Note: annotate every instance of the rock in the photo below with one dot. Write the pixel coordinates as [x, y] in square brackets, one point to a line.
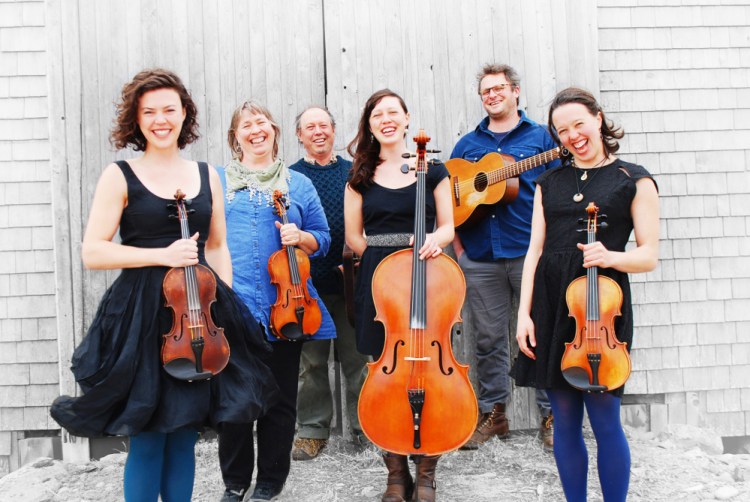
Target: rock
[726, 493]
[42, 462]
[687, 437]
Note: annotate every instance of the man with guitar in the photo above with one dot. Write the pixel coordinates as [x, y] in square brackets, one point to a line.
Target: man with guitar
[492, 243]
[328, 172]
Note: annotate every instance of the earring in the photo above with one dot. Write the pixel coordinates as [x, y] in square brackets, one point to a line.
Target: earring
[565, 152]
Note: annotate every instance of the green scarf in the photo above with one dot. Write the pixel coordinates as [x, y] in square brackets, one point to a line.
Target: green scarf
[260, 182]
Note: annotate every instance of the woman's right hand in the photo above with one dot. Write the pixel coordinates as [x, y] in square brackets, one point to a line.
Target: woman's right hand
[525, 335]
[181, 253]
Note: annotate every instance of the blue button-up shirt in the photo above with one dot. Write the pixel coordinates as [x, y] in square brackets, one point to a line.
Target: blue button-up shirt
[505, 232]
[252, 238]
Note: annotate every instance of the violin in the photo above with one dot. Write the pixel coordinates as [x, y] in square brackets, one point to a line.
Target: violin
[295, 315]
[417, 399]
[195, 348]
[595, 361]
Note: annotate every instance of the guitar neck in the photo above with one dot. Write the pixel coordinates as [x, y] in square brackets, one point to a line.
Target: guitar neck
[516, 168]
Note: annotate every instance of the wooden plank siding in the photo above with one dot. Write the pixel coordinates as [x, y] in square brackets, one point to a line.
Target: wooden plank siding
[287, 54]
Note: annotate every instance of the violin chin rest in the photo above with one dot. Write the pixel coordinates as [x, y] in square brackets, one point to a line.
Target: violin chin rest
[292, 331]
[579, 378]
[184, 369]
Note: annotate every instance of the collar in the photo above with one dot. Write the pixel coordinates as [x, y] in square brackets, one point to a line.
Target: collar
[484, 125]
[314, 162]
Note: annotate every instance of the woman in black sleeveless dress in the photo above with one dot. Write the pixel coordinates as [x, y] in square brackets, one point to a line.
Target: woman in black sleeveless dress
[379, 203]
[118, 364]
[557, 255]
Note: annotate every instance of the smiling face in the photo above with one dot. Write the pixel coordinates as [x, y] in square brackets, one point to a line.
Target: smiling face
[255, 135]
[316, 133]
[499, 97]
[580, 132]
[160, 117]
[388, 121]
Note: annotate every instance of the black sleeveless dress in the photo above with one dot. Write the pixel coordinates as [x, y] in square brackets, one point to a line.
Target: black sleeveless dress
[612, 189]
[386, 211]
[118, 363]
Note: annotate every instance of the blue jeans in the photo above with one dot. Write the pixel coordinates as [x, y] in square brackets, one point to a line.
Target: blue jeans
[490, 289]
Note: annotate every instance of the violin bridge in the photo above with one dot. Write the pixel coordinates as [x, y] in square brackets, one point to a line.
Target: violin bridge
[408, 358]
[193, 326]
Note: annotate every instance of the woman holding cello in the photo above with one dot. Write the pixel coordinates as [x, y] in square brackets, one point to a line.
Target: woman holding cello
[552, 325]
[380, 202]
[127, 389]
[257, 184]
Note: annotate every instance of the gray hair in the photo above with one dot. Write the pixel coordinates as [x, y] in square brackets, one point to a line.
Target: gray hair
[298, 119]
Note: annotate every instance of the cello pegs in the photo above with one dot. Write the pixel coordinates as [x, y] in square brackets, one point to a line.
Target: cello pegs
[405, 168]
[408, 155]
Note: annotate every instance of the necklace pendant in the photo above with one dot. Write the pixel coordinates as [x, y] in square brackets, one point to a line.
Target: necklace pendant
[578, 197]
[584, 176]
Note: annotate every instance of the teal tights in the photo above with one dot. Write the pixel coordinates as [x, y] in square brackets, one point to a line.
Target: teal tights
[160, 463]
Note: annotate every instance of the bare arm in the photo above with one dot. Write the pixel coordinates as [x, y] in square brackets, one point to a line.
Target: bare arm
[353, 222]
[645, 213]
[444, 231]
[217, 250]
[525, 328]
[99, 252]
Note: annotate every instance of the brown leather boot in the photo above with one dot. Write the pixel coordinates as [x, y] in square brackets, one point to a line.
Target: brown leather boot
[494, 423]
[400, 483]
[426, 486]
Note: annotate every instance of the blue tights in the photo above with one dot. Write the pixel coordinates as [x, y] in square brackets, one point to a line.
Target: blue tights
[161, 463]
[613, 453]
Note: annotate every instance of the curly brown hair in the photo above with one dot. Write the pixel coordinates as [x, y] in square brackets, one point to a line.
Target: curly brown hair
[364, 148]
[610, 133]
[126, 130]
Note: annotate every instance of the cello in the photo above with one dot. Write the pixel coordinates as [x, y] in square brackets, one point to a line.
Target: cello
[295, 315]
[195, 348]
[595, 361]
[417, 399]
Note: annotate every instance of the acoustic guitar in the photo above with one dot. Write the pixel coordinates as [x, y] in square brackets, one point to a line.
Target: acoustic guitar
[493, 179]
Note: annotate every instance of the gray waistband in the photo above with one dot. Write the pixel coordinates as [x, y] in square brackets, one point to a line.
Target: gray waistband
[388, 240]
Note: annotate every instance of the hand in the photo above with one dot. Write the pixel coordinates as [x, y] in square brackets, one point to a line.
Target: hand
[525, 335]
[596, 255]
[290, 234]
[181, 253]
[429, 249]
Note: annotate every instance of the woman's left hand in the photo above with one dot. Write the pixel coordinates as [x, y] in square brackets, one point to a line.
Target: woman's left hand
[290, 234]
[596, 255]
[430, 248]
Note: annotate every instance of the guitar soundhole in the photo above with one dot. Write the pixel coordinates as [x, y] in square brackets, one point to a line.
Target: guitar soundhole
[480, 182]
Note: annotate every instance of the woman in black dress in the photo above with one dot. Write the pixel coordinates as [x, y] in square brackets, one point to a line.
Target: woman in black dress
[379, 219]
[557, 255]
[125, 389]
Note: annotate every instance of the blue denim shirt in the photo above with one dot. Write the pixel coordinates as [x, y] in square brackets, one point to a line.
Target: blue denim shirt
[252, 237]
[505, 232]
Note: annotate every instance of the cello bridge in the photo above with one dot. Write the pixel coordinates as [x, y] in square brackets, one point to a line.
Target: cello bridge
[417, 358]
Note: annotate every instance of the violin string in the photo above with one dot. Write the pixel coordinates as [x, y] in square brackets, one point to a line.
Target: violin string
[189, 279]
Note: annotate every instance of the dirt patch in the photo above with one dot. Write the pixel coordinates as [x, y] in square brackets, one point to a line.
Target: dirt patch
[664, 468]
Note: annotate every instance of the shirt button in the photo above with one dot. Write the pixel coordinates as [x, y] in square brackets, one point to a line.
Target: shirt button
[499, 149]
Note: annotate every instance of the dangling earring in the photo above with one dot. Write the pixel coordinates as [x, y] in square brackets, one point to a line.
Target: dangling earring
[372, 137]
[565, 152]
[236, 149]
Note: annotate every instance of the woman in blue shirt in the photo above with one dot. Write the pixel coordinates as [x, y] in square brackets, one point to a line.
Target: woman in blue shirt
[254, 233]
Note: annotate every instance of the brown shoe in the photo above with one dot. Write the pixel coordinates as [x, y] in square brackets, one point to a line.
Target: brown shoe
[546, 432]
[494, 423]
[400, 483]
[307, 448]
[426, 486]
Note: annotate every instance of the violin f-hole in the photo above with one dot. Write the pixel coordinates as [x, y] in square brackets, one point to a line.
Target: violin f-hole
[395, 358]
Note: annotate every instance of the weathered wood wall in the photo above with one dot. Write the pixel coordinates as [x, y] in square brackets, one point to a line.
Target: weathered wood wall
[286, 54]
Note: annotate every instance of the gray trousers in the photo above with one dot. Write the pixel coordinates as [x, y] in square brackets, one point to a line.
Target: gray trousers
[314, 399]
[490, 290]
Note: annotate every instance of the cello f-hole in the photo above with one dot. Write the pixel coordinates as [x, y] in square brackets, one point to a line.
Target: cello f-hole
[395, 358]
[440, 358]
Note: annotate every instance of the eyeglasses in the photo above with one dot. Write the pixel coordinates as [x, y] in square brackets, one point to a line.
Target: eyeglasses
[497, 90]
